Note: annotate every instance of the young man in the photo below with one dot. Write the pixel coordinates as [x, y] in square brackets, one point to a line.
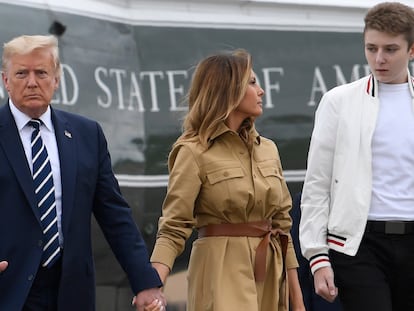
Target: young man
[357, 226]
[55, 172]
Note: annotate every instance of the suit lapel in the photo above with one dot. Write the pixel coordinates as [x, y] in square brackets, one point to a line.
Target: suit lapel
[66, 142]
[11, 143]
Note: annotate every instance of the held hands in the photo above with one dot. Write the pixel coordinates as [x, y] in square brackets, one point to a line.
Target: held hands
[3, 266]
[324, 284]
[150, 300]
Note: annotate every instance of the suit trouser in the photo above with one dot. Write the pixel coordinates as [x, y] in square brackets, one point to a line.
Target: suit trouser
[380, 276]
[44, 292]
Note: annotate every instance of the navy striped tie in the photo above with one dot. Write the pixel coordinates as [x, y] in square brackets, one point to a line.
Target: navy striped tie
[45, 196]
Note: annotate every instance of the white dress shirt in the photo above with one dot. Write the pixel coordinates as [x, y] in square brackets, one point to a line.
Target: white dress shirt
[47, 133]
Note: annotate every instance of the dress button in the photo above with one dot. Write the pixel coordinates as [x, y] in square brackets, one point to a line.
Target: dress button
[30, 277]
[226, 174]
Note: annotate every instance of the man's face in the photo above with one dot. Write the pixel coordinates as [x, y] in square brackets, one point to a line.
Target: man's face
[31, 81]
[388, 56]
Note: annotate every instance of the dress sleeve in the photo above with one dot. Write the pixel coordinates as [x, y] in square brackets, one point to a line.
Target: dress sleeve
[177, 221]
[283, 221]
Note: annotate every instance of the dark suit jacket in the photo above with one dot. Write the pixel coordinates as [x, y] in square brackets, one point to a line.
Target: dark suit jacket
[88, 187]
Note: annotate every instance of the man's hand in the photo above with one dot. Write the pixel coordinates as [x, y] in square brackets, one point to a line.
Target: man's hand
[150, 300]
[324, 284]
[3, 265]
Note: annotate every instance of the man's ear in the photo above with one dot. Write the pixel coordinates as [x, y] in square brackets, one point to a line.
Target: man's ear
[57, 80]
[411, 51]
[5, 80]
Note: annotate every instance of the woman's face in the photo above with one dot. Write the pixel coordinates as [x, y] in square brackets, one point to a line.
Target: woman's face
[251, 104]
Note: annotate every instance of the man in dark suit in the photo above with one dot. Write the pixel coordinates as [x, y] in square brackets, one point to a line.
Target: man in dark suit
[46, 258]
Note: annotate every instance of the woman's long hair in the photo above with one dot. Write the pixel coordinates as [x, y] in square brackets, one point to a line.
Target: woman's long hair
[218, 85]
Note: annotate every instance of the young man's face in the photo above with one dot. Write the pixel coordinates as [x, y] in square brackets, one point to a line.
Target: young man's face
[388, 56]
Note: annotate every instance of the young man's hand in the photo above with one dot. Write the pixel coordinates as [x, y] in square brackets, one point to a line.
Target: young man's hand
[324, 284]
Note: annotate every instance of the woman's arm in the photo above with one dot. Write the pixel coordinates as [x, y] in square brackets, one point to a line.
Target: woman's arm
[163, 270]
[295, 292]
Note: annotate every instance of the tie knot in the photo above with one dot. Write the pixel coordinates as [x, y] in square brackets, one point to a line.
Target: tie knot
[35, 123]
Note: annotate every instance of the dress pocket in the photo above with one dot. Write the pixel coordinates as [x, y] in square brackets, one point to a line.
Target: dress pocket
[273, 179]
[224, 174]
[269, 171]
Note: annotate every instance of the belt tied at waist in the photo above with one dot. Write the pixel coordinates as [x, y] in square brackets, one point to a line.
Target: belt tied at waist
[261, 228]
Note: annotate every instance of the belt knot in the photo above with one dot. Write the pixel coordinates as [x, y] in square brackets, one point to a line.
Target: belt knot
[261, 228]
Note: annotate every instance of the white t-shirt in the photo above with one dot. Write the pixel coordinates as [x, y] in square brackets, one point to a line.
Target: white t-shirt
[393, 155]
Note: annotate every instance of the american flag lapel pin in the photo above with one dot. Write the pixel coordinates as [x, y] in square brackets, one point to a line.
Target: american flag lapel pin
[68, 134]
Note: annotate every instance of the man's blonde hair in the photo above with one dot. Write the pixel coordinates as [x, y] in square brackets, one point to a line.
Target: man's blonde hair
[26, 44]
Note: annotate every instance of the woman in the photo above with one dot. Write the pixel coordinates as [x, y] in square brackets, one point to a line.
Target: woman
[226, 181]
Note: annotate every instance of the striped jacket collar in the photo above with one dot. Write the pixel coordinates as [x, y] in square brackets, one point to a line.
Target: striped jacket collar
[372, 85]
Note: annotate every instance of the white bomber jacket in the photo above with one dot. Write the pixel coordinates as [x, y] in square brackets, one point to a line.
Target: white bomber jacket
[337, 189]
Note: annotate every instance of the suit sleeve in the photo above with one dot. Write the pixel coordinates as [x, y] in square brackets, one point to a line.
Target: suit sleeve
[114, 216]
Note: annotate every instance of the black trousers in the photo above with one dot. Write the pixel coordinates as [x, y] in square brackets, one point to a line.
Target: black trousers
[381, 275]
[44, 292]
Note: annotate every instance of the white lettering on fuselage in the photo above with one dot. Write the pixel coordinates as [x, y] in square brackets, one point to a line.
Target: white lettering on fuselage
[319, 86]
[157, 90]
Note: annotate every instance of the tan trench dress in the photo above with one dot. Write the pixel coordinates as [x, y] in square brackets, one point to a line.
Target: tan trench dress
[226, 184]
